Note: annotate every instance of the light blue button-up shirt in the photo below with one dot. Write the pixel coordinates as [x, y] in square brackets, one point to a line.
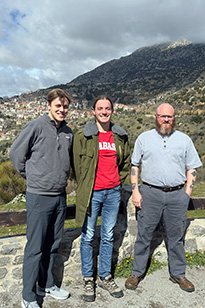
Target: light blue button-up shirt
[164, 160]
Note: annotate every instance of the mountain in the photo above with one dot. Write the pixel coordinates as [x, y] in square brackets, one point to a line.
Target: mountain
[169, 64]
[142, 75]
[149, 71]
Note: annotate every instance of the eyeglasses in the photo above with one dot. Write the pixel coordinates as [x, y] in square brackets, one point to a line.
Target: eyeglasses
[161, 116]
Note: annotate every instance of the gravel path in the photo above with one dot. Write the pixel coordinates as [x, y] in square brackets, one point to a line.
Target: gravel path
[155, 291]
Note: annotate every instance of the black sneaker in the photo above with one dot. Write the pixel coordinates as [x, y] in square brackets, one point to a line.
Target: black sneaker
[109, 284]
[89, 289]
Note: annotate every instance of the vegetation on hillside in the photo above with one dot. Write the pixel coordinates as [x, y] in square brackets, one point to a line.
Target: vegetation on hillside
[191, 123]
[11, 184]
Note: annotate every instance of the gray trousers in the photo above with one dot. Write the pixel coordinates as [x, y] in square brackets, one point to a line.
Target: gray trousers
[45, 221]
[172, 208]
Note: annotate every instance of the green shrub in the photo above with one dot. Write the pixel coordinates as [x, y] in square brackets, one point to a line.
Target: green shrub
[11, 183]
[195, 259]
[197, 119]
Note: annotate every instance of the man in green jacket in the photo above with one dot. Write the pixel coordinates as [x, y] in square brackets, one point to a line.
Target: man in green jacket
[102, 164]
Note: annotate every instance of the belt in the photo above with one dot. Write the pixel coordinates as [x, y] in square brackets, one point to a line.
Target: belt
[165, 188]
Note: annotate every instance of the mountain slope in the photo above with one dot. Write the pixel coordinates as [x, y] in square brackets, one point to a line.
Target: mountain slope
[142, 75]
[153, 70]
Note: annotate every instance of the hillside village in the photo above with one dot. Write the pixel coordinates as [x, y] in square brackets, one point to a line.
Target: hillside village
[188, 103]
[16, 111]
[19, 111]
[23, 110]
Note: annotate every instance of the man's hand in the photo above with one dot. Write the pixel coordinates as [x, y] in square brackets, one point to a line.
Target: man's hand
[136, 198]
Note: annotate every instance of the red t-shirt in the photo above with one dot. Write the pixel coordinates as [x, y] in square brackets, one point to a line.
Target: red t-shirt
[107, 175]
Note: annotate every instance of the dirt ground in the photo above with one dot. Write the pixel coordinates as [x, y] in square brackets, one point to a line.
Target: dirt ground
[155, 291]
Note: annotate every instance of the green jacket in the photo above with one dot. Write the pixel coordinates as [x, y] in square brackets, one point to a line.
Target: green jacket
[85, 152]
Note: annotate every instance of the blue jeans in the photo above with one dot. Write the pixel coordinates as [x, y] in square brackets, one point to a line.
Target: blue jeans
[108, 201]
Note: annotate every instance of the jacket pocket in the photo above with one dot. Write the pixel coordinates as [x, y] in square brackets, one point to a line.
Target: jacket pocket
[86, 152]
[85, 158]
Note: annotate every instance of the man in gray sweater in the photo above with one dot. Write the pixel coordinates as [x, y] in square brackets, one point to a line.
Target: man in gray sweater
[42, 155]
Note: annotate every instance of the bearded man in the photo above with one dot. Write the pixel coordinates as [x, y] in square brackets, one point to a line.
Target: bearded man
[168, 160]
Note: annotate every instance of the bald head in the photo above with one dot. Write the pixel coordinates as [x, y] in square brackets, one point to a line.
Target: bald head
[164, 119]
[165, 109]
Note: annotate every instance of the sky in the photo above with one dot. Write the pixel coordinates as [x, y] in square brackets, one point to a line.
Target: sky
[46, 42]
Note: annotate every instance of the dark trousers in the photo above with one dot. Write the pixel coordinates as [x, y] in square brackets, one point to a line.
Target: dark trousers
[172, 208]
[45, 221]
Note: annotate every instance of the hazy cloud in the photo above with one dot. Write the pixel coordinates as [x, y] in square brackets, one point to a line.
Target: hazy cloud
[43, 43]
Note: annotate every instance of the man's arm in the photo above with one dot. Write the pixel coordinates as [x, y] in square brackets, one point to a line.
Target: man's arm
[20, 149]
[191, 179]
[136, 196]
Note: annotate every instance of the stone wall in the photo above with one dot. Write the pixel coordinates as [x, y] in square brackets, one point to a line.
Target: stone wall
[68, 266]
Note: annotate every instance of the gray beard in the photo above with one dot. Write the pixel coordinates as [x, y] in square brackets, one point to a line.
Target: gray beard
[165, 131]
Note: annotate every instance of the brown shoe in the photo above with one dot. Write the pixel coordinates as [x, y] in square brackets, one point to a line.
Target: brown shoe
[89, 289]
[184, 283]
[132, 282]
[109, 284]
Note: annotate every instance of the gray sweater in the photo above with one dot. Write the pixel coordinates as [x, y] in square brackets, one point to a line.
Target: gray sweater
[41, 155]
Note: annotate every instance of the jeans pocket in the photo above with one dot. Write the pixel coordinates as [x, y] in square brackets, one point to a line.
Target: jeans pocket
[186, 195]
